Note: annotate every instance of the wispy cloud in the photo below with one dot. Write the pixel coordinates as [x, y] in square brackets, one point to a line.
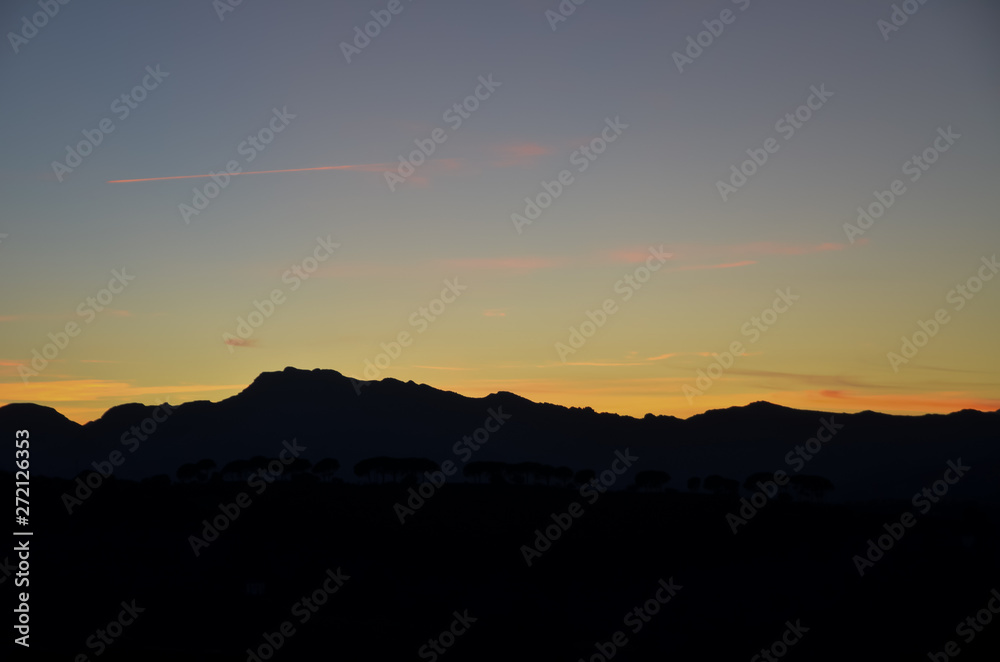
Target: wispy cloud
[663, 357]
[364, 167]
[517, 154]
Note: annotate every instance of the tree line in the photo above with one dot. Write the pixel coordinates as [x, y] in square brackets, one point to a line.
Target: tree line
[384, 470]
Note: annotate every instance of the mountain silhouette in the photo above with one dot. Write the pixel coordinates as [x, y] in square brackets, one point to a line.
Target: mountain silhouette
[165, 529]
[872, 456]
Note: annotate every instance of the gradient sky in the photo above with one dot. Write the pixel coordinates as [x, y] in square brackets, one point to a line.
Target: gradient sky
[162, 337]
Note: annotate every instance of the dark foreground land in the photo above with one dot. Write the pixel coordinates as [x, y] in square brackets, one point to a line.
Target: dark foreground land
[459, 557]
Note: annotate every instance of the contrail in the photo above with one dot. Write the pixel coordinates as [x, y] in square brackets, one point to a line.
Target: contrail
[369, 167]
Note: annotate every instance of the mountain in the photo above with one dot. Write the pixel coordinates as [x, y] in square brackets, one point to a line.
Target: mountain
[869, 455]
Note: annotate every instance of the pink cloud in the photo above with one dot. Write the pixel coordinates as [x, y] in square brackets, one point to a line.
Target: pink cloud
[518, 154]
[240, 342]
[634, 255]
[494, 312]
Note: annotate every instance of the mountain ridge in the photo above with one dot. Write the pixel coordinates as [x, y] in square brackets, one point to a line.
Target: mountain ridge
[336, 416]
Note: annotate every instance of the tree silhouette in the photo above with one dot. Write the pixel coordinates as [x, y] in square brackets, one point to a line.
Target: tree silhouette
[237, 470]
[296, 468]
[651, 480]
[760, 477]
[325, 468]
[187, 472]
[365, 469]
[395, 469]
[584, 476]
[486, 471]
[694, 483]
[810, 488]
[721, 486]
[204, 469]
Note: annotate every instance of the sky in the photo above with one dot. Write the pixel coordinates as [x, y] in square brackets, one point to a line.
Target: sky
[590, 230]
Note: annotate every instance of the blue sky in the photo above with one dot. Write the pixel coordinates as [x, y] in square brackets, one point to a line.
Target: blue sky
[655, 185]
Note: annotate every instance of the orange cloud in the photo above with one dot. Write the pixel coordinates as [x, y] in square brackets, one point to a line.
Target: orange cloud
[935, 402]
[661, 357]
[89, 390]
[598, 364]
